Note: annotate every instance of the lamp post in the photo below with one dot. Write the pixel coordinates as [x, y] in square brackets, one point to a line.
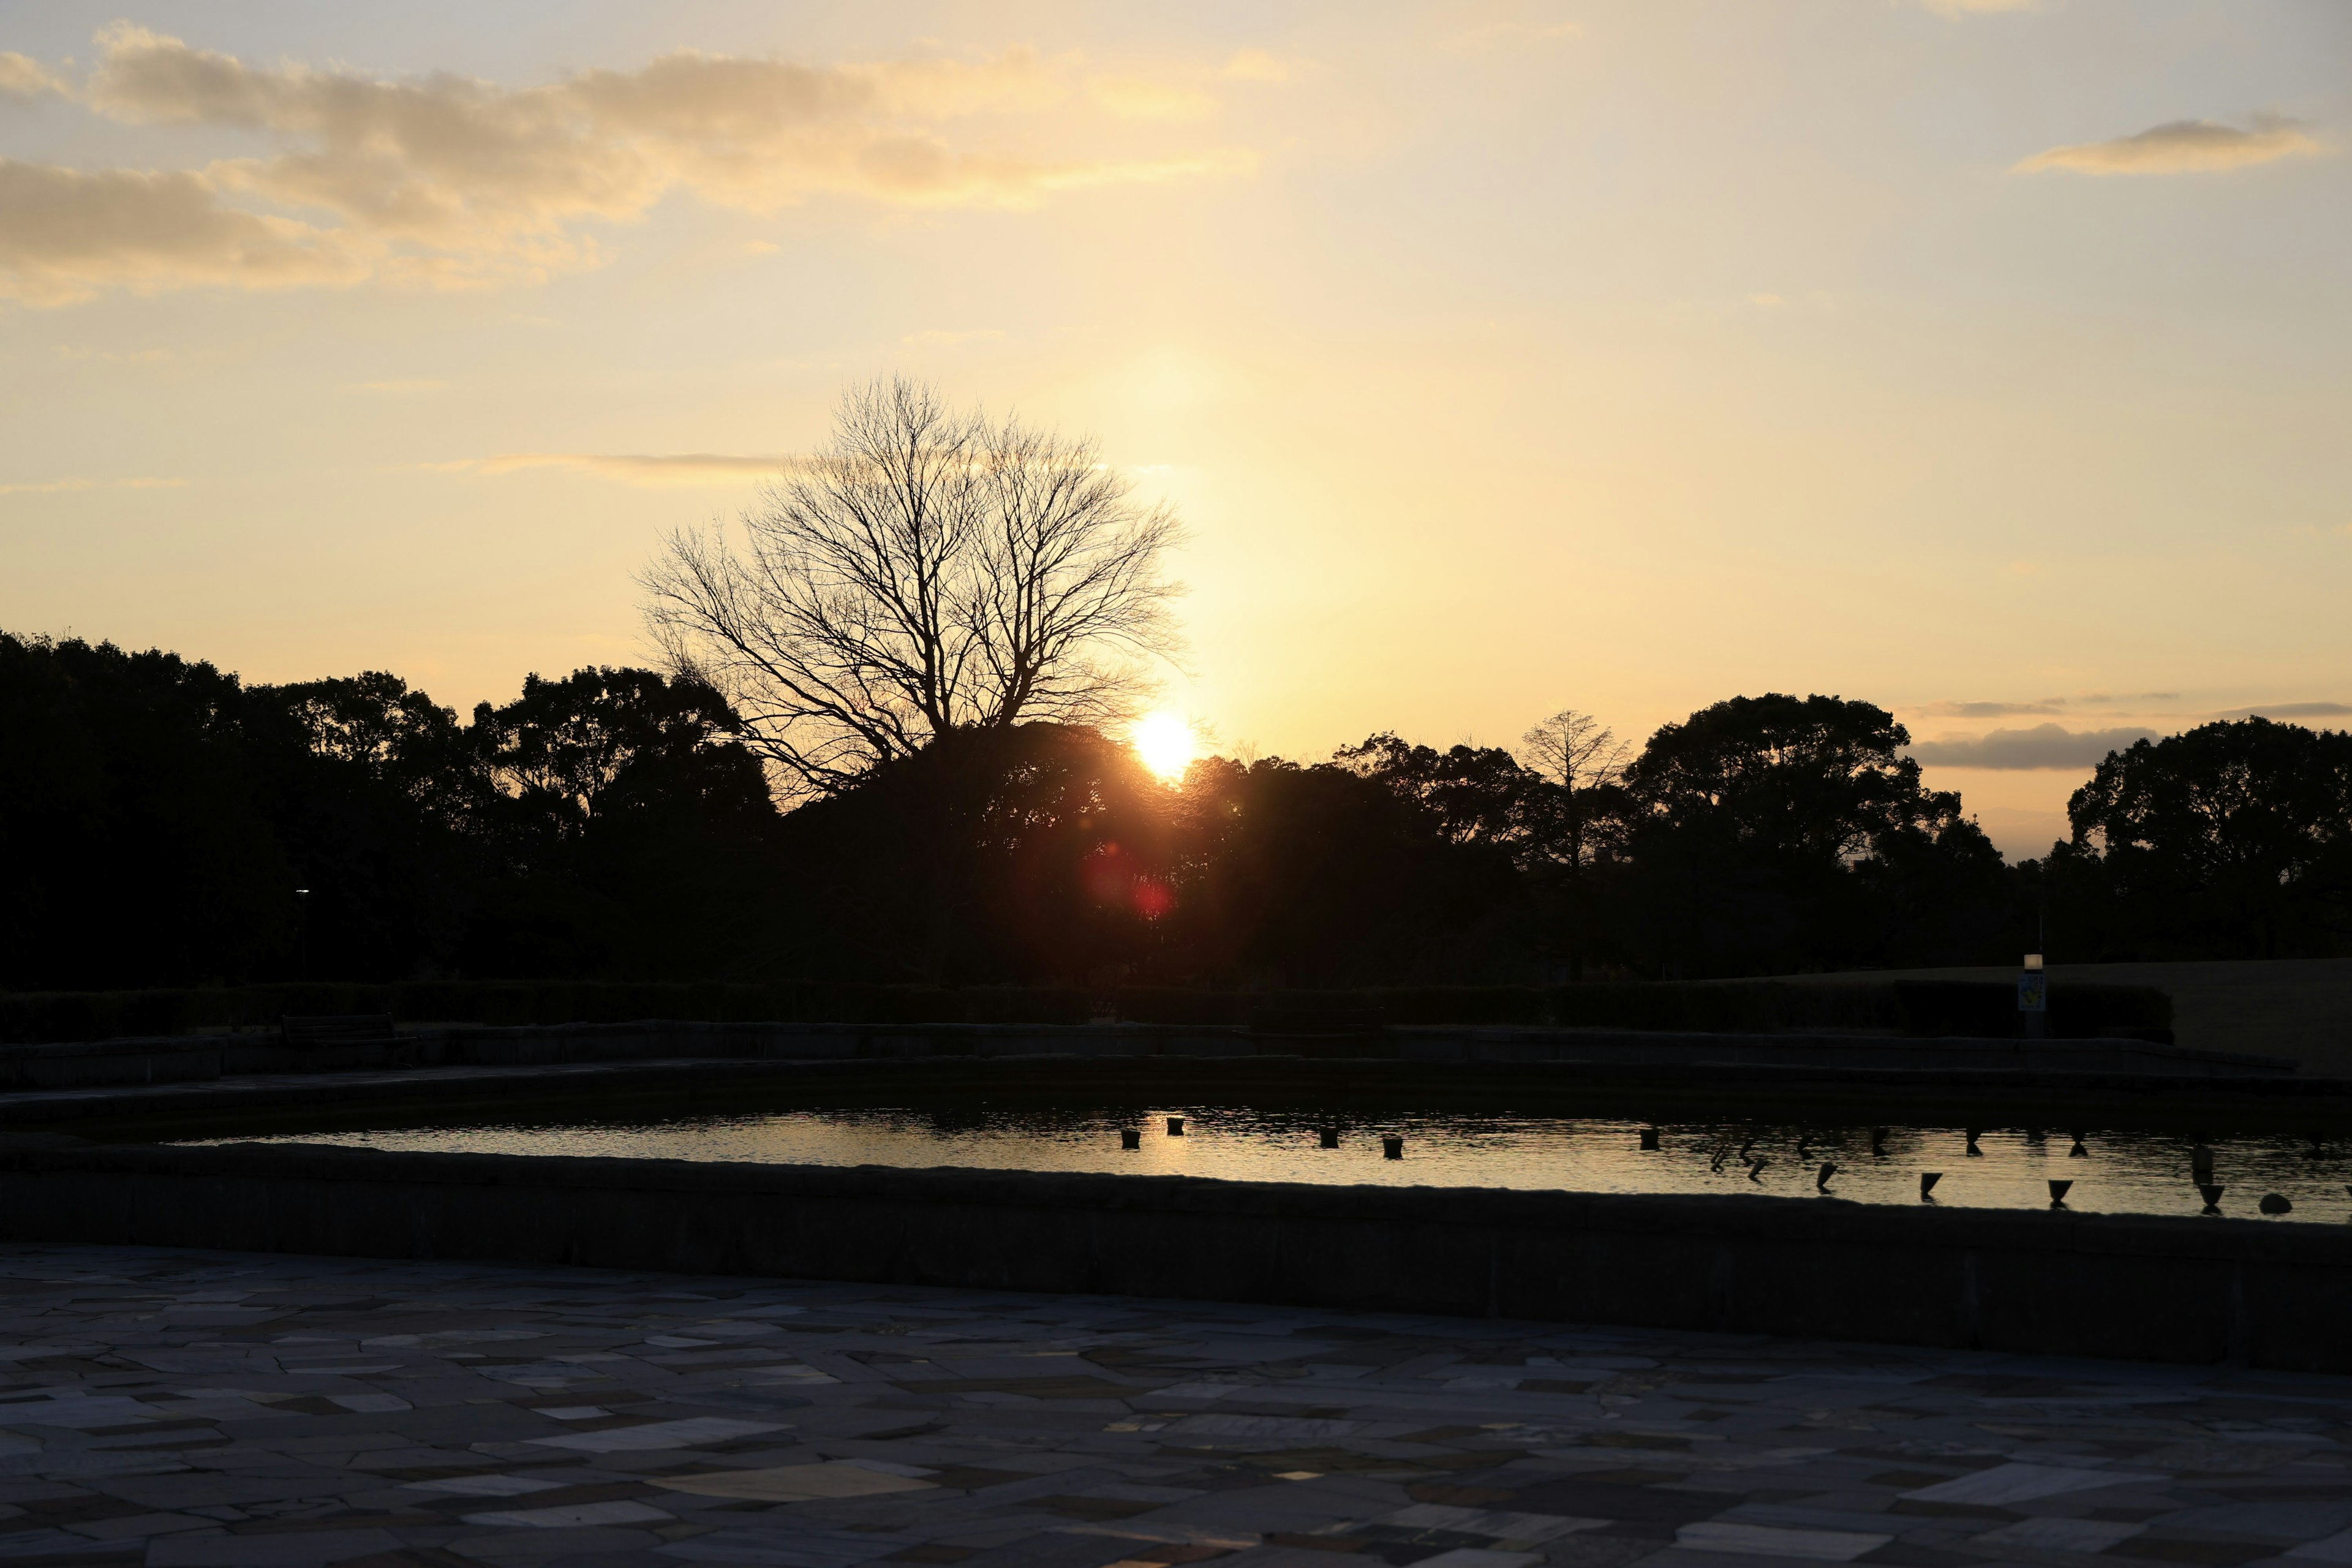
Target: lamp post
[2033, 996]
[302, 931]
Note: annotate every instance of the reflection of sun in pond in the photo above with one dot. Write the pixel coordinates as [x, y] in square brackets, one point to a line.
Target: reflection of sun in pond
[1165, 742]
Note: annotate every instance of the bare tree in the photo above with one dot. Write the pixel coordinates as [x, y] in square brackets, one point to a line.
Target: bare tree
[929, 571]
[1577, 749]
[1583, 756]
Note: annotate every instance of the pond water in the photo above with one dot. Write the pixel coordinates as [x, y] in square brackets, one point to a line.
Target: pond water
[2119, 1170]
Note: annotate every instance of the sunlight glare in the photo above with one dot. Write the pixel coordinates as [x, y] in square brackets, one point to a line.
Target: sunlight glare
[1164, 741]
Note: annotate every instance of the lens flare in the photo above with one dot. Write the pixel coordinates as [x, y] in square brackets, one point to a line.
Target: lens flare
[1165, 742]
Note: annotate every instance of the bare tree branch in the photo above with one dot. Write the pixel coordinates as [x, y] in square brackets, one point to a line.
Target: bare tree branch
[1577, 749]
[929, 571]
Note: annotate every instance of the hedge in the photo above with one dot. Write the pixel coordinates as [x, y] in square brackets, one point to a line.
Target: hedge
[2078, 1011]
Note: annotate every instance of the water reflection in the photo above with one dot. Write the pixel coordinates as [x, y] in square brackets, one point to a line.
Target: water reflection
[2109, 1169]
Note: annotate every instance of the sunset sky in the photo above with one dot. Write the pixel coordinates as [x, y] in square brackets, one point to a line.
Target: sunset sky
[1989, 360]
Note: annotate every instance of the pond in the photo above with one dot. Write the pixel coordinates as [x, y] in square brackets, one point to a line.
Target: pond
[2110, 1168]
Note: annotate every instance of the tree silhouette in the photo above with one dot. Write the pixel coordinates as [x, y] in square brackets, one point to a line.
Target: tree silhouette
[2230, 839]
[1586, 760]
[930, 571]
[1778, 833]
[633, 834]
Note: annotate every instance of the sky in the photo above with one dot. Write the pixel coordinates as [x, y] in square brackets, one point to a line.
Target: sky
[1988, 360]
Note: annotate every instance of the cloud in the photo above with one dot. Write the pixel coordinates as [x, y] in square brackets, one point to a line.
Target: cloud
[400, 388]
[681, 468]
[444, 181]
[2042, 746]
[1992, 709]
[64, 233]
[24, 78]
[2292, 711]
[2179, 147]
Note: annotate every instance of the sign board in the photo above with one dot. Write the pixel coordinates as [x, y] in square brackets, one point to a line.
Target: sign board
[2033, 991]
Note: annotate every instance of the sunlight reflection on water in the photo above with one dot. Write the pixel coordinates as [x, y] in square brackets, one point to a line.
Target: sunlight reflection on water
[2122, 1169]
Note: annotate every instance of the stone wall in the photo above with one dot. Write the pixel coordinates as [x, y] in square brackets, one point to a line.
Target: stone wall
[195, 1057]
[2155, 1288]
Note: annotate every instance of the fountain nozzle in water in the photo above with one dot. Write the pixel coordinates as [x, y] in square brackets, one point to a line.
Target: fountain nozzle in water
[1822, 1182]
[2058, 1194]
[1927, 1180]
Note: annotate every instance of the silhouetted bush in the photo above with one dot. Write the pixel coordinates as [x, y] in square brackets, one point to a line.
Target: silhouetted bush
[1907, 1007]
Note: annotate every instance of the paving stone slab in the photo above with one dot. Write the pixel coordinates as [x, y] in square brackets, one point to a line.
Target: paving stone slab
[185, 1409]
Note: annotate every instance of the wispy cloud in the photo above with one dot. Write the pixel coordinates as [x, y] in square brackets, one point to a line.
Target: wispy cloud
[2179, 147]
[1992, 709]
[2042, 746]
[21, 77]
[56, 487]
[64, 233]
[2290, 711]
[666, 469]
[444, 181]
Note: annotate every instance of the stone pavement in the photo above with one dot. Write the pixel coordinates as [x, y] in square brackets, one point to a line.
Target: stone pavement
[185, 1409]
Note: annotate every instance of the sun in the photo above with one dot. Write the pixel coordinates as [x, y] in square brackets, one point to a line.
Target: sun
[1165, 742]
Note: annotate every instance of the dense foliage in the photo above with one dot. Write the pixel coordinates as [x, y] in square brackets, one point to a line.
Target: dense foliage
[2233, 840]
[158, 816]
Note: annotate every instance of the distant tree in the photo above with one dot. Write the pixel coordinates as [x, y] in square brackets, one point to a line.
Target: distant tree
[1776, 833]
[376, 797]
[603, 742]
[2230, 840]
[1032, 852]
[1587, 760]
[136, 850]
[1585, 763]
[633, 834]
[1329, 876]
[1475, 795]
[930, 571]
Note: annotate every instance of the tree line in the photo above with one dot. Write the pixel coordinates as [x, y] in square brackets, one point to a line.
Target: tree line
[158, 816]
[880, 750]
